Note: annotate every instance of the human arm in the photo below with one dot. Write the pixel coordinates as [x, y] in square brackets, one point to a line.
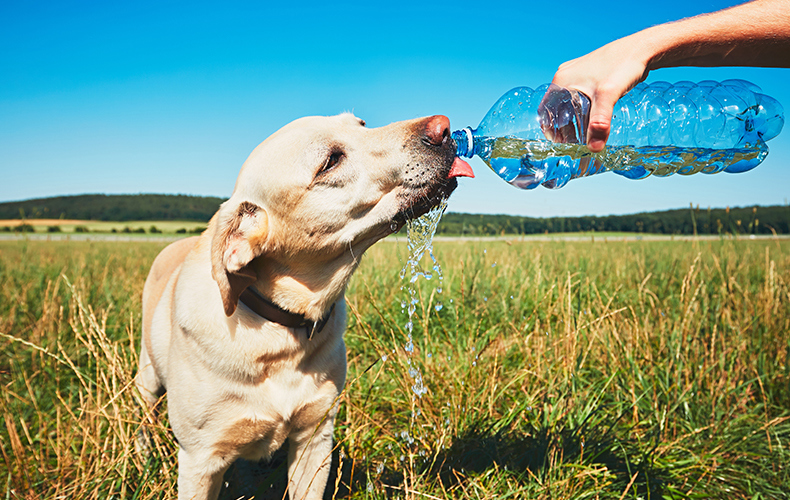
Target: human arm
[756, 33]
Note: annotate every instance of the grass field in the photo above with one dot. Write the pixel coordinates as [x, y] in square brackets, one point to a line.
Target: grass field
[105, 227]
[555, 370]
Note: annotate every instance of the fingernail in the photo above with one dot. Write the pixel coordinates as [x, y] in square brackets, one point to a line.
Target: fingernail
[596, 145]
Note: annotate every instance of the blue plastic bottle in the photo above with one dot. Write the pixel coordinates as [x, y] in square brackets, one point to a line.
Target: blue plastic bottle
[532, 137]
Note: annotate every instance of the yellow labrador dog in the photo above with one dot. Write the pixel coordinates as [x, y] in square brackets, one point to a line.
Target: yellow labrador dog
[243, 325]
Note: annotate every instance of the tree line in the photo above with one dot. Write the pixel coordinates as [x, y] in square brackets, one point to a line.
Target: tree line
[104, 207]
[691, 220]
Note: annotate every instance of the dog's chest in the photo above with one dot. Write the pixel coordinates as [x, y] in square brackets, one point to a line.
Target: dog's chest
[280, 388]
[264, 415]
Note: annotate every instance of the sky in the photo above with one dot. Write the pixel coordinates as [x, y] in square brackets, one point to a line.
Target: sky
[171, 97]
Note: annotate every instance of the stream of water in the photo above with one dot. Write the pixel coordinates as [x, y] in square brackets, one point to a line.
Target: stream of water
[419, 233]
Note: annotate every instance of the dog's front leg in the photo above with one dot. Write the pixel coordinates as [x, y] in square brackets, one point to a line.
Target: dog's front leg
[199, 478]
[309, 459]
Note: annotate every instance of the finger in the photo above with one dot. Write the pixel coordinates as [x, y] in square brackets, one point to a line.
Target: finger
[600, 122]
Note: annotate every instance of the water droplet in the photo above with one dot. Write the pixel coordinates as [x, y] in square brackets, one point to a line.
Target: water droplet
[418, 388]
[384, 358]
[439, 307]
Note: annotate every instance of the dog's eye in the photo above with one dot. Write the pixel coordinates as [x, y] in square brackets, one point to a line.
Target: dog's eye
[333, 160]
[362, 122]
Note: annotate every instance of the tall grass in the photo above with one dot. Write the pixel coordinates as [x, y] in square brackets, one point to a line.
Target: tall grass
[69, 319]
[554, 370]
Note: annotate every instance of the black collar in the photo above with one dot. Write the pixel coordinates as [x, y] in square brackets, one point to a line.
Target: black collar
[267, 309]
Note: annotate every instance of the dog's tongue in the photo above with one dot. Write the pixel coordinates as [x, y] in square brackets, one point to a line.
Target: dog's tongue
[460, 169]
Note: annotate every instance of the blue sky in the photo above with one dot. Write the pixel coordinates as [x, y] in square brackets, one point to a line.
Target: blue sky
[171, 97]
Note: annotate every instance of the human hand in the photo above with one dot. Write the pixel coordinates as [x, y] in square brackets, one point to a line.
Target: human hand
[604, 76]
[756, 33]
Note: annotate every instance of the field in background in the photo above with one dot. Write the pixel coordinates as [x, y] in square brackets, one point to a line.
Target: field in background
[103, 227]
[554, 370]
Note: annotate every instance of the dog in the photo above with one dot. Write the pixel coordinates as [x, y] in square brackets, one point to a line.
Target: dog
[243, 325]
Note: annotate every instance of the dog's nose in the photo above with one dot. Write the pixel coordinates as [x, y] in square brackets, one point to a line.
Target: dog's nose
[437, 129]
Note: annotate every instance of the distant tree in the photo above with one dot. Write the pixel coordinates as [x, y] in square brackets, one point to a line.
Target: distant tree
[53, 229]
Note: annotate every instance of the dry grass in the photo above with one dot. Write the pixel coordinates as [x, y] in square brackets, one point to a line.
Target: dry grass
[554, 370]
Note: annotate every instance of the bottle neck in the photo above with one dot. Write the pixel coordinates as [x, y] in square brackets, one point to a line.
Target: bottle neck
[464, 142]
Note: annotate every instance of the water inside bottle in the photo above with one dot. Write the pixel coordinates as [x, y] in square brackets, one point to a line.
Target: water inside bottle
[419, 233]
[529, 163]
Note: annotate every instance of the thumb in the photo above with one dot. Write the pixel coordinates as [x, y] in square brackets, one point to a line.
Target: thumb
[600, 120]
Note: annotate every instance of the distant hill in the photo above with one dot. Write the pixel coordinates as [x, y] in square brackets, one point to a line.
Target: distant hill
[144, 207]
[126, 207]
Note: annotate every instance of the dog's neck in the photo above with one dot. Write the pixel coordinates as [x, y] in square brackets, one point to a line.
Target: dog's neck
[303, 290]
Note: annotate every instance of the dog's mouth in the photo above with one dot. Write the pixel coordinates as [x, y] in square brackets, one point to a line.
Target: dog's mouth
[435, 185]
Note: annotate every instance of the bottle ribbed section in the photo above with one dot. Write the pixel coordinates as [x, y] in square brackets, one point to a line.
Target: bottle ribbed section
[536, 137]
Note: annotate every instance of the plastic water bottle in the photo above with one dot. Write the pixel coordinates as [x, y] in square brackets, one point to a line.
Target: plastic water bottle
[532, 137]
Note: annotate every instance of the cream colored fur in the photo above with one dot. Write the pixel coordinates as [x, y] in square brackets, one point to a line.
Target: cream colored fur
[307, 203]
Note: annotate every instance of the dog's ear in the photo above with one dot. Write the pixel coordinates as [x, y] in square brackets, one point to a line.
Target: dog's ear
[240, 235]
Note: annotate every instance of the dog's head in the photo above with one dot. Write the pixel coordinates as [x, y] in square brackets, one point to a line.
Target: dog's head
[315, 195]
